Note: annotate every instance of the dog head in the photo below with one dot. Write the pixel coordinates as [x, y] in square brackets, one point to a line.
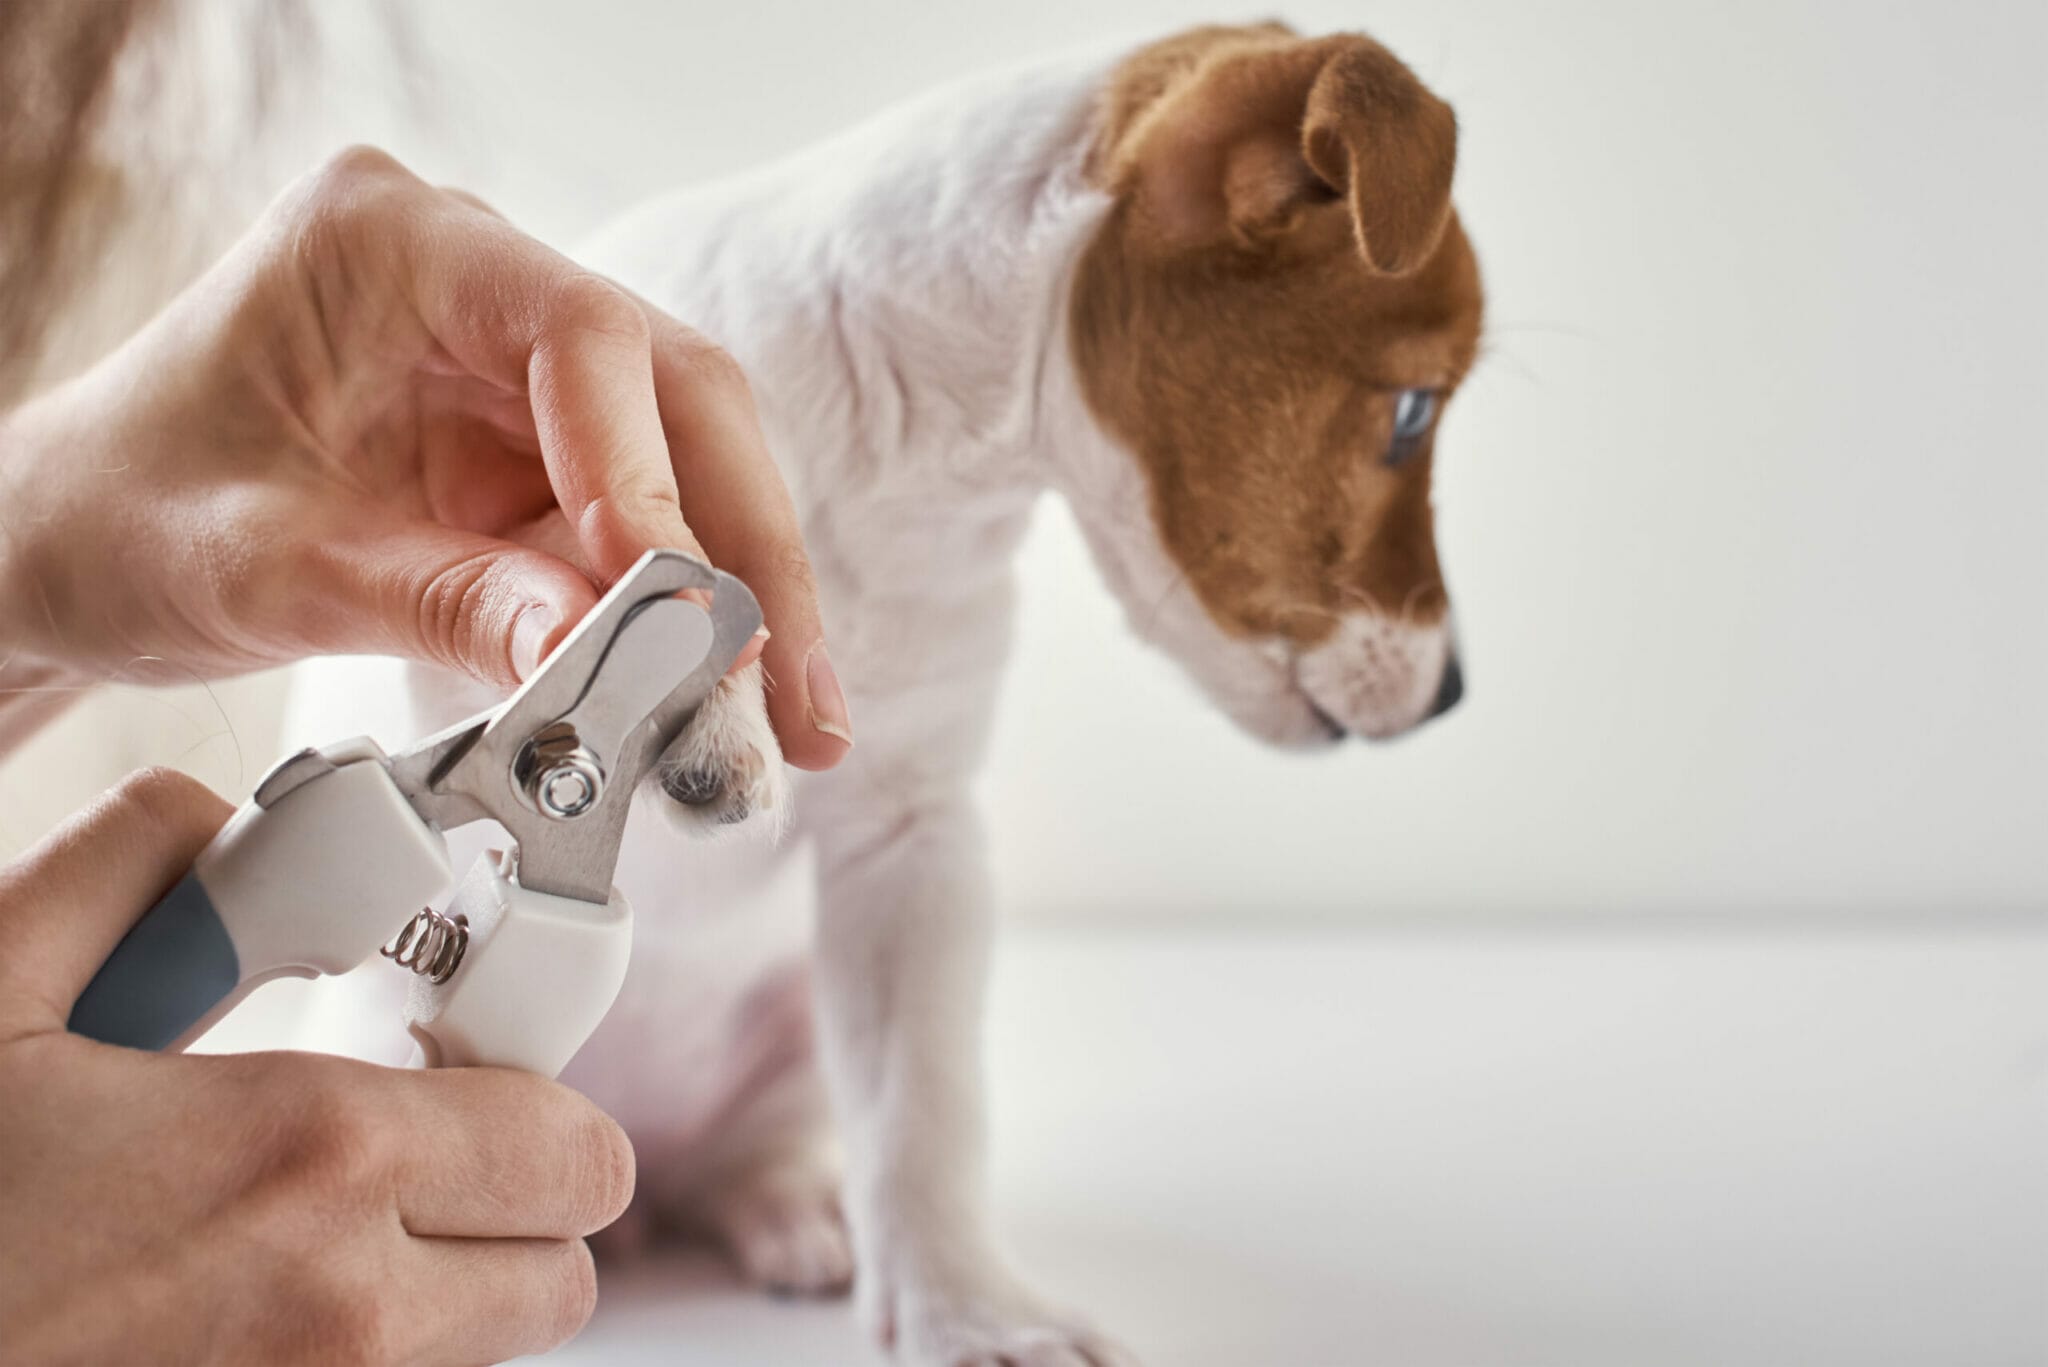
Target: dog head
[1271, 319]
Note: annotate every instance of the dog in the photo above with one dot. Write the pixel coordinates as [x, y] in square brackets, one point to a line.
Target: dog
[1213, 292]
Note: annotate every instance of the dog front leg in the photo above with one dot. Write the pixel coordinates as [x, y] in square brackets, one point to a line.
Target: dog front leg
[903, 938]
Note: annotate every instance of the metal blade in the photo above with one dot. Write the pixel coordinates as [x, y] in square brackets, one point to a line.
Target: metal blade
[622, 687]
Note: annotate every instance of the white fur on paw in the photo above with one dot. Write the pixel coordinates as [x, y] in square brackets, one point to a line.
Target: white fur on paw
[726, 769]
[996, 1325]
[784, 1230]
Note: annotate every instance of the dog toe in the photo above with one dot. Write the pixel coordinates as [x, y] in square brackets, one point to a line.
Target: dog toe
[784, 1230]
[693, 787]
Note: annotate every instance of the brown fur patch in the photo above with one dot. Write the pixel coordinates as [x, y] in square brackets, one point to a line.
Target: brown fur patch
[1282, 259]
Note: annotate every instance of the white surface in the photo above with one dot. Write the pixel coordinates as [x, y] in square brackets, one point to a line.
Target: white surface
[1329, 1150]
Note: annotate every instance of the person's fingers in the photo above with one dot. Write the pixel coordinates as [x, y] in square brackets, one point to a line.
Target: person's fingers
[514, 314]
[525, 318]
[489, 1300]
[490, 608]
[473, 200]
[506, 1154]
[66, 903]
[741, 510]
[592, 386]
[550, 532]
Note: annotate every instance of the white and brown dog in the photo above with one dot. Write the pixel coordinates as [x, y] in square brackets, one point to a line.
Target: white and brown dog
[1214, 293]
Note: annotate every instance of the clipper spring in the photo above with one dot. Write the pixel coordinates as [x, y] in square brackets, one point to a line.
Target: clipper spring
[431, 945]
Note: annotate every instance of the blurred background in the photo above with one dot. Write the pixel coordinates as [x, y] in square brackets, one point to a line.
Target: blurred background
[1679, 997]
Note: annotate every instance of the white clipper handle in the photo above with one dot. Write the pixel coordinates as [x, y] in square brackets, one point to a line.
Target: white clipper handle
[312, 883]
[537, 975]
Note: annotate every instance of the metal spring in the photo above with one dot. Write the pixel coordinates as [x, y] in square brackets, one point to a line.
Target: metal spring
[431, 945]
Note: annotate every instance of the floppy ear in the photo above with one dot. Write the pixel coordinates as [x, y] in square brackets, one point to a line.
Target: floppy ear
[1373, 133]
[1263, 136]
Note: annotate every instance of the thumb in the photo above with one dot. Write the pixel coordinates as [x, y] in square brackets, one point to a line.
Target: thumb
[66, 903]
[490, 608]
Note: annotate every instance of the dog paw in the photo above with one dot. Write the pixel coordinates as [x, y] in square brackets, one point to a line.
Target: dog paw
[970, 1344]
[782, 1226]
[981, 1321]
[725, 769]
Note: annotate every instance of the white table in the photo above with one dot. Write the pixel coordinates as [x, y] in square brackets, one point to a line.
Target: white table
[1567, 1148]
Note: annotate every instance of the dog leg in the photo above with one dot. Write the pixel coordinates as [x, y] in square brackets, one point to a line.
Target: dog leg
[903, 936]
[735, 1149]
[769, 1191]
[780, 1223]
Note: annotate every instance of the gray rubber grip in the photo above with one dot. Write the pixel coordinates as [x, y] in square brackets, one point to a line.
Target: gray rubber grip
[170, 970]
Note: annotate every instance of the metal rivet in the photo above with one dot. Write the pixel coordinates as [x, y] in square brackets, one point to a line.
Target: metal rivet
[568, 789]
[558, 776]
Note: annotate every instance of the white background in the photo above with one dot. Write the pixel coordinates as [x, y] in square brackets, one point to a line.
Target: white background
[1743, 513]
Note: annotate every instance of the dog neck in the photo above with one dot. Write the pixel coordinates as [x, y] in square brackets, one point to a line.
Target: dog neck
[898, 293]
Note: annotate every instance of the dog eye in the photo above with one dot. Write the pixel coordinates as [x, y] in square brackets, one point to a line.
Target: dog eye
[1414, 411]
[1414, 414]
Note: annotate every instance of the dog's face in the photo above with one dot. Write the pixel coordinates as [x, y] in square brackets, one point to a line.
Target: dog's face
[1271, 320]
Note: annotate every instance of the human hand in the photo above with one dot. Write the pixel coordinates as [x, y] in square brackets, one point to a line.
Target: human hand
[262, 1207]
[388, 422]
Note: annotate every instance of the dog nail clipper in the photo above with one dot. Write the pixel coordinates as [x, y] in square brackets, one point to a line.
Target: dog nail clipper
[342, 844]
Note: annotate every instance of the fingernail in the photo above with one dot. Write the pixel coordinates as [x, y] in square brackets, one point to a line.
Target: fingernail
[530, 637]
[828, 699]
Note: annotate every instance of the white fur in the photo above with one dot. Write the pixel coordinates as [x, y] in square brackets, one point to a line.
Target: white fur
[1377, 675]
[726, 769]
[897, 297]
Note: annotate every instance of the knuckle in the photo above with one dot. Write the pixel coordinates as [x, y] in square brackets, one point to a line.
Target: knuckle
[336, 1146]
[709, 368]
[357, 170]
[163, 800]
[162, 806]
[646, 506]
[650, 497]
[584, 302]
[348, 216]
[470, 200]
[347, 183]
[454, 607]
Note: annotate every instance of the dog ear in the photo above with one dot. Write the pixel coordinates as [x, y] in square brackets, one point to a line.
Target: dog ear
[1266, 135]
[1374, 133]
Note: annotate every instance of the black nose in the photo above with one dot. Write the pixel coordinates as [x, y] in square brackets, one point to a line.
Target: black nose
[1450, 688]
